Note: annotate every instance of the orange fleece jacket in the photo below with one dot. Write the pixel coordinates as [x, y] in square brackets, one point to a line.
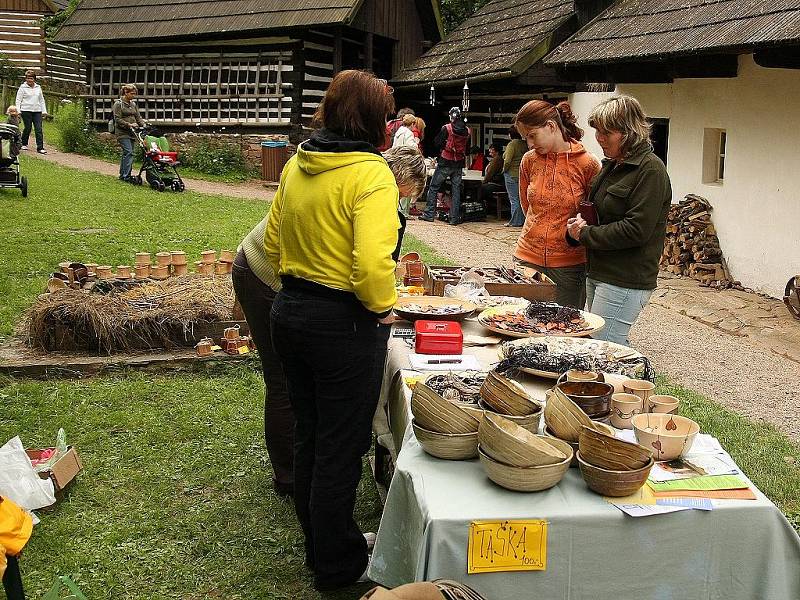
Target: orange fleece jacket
[550, 188]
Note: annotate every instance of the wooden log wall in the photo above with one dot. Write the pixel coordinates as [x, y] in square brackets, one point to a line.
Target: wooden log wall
[64, 62]
[396, 20]
[22, 38]
[236, 87]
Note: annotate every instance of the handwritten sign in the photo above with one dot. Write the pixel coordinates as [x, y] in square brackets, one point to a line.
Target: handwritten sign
[496, 546]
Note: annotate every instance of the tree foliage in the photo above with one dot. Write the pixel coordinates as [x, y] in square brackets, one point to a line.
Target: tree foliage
[51, 23]
[8, 72]
[455, 11]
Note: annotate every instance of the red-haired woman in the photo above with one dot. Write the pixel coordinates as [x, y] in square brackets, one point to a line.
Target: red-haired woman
[553, 179]
[332, 229]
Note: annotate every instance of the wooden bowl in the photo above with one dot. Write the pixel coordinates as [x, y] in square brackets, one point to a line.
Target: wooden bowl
[668, 435]
[449, 446]
[510, 444]
[466, 308]
[593, 397]
[564, 417]
[434, 413]
[574, 445]
[615, 484]
[530, 422]
[507, 397]
[527, 479]
[606, 451]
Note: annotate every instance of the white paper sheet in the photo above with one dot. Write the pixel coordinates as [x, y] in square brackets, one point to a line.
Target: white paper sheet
[430, 362]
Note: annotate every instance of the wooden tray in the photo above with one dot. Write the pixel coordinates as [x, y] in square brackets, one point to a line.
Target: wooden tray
[596, 323]
[468, 308]
[541, 288]
[618, 350]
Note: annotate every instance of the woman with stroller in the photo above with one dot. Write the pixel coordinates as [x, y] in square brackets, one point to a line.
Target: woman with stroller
[126, 115]
[331, 233]
[30, 101]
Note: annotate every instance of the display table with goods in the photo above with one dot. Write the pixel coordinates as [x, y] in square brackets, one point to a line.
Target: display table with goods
[598, 517]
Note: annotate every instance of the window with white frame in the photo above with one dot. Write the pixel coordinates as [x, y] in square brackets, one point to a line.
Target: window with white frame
[714, 149]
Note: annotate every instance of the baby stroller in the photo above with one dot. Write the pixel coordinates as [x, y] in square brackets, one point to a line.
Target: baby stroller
[159, 165]
[10, 145]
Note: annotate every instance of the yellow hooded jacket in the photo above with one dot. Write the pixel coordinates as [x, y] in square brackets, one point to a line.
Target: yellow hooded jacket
[334, 222]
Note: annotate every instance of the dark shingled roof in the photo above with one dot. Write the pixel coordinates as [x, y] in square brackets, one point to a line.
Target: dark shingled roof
[650, 29]
[504, 36]
[97, 20]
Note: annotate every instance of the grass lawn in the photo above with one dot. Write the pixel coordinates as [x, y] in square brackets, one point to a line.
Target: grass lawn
[175, 501]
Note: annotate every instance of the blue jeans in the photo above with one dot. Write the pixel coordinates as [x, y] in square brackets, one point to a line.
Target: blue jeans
[126, 164]
[440, 175]
[34, 119]
[512, 188]
[619, 306]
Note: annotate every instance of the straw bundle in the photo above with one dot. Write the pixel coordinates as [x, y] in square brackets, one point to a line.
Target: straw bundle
[131, 316]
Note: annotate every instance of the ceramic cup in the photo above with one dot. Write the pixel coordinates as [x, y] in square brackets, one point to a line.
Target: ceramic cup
[662, 404]
[623, 408]
[639, 387]
[576, 375]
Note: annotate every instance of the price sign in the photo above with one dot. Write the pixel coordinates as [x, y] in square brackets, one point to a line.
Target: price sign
[496, 546]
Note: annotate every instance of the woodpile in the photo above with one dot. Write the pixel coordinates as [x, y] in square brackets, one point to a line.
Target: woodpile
[692, 247]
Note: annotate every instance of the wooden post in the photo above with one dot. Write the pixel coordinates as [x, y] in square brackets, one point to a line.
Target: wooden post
[337, 51]
[3, 104]
[368, 51]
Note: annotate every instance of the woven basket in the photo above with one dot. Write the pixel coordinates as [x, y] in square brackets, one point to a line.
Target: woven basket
[529, 422]
[563, 417]
[574, 445]
[527, 479]
[449, 446]
[510, 444]
[434, 413]
[613, 483]
[507, 397]
[453, 590]
[606, 451]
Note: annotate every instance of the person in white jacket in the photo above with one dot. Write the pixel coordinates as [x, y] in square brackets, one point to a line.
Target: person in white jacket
[404, 136]
[30, 101]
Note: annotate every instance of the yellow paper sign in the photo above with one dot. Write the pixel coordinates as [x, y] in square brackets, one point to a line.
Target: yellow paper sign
[496, 546]
[244, 350]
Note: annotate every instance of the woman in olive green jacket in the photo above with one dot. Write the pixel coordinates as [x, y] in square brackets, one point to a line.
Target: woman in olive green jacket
[631, 195]
[126, 116]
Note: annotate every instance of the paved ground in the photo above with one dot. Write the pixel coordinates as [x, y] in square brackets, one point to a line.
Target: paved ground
[741, 349]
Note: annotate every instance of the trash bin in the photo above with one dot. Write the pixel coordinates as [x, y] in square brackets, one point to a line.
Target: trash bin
[273, 159]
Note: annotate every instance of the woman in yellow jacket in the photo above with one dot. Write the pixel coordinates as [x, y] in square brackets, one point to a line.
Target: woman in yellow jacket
[332, 229]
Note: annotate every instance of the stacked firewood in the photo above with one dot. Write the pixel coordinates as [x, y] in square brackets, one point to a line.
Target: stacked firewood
[692, 246]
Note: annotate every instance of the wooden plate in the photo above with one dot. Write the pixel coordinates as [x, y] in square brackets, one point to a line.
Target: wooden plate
[467, 308]
[618, 350]
[596, 323]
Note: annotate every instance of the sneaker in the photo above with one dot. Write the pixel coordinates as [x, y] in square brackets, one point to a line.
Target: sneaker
[425, 217]
[42, 151]
[24, 147]
[370, 537]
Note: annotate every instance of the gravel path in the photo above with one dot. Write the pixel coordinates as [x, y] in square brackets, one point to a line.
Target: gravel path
[733, 371]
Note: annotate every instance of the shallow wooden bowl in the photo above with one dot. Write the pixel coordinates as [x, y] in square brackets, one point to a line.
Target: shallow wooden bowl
[606, 451]
[507, 397]
[574, 445]
[434, 413]
[613, 483]
[467, 308]
[449, 446]
[510, 444]
[593, 397]
[564, 417]
[527, 479]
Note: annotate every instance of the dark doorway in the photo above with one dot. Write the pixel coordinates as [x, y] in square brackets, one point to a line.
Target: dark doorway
[659, 135]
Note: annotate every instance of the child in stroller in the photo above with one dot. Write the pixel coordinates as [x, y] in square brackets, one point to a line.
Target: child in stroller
[10, 146]
[158, 164]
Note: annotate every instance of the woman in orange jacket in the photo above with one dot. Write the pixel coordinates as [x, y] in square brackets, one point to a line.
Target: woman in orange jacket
[554, 177]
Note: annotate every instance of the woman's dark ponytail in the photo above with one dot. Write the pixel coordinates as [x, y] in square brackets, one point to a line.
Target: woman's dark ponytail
[569, 121]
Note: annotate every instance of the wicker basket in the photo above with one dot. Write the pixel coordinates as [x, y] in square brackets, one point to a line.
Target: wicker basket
[574, 445]
[453, 590]
[563, 417]
[513, 445]
[507, 397]
[613, 483]
[434, 413]
[449, 446]
[606, 451]
[527, 479]
[529, 422]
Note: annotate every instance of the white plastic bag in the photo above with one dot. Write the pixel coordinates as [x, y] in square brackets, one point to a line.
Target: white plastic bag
[470, 287]
[19, 482]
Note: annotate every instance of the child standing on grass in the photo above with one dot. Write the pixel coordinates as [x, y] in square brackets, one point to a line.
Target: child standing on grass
[12, 115]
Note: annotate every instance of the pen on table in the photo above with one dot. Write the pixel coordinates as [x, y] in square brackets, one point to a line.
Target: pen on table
[448, 361]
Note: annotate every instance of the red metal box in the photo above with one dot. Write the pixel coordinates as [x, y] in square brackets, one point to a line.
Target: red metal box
[438, 337]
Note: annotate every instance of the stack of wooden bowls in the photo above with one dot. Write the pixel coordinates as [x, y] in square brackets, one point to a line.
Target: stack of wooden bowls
[505, 397]
[612, 467]
[443, 428]
[564, 420]
[593, 397]
[516, 459]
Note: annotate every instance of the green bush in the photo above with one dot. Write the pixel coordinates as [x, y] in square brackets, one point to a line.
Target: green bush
[78, 136]
[216, 158]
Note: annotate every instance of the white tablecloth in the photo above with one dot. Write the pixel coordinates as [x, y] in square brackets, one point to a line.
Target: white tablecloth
[741, 550]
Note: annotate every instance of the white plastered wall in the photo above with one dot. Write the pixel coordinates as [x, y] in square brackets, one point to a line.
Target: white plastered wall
[757, 208]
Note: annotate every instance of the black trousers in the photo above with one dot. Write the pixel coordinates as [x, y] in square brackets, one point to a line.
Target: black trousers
[487, 189]
[256, 299]
[12, 580]
[328, 347]
[34, 119]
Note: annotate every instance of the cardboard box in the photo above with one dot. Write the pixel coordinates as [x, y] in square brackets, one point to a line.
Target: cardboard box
[542, 287]
[65, 469]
